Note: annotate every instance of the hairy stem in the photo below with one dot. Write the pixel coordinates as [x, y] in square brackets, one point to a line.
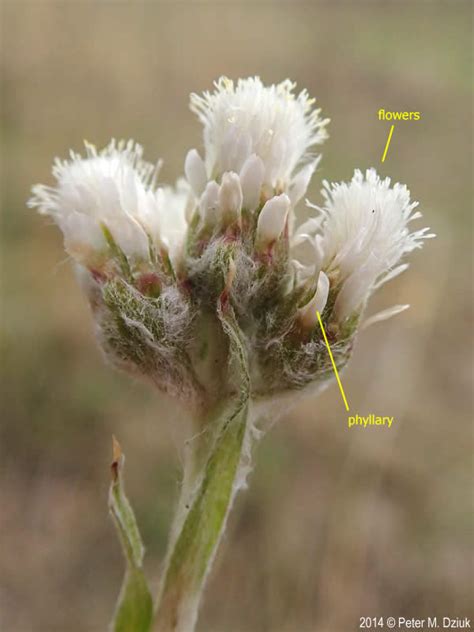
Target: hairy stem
[207, 495]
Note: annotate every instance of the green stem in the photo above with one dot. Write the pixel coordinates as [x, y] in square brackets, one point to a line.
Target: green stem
[207, 497]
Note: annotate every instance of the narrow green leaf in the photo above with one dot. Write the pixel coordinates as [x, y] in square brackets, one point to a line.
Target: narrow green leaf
[134, 609]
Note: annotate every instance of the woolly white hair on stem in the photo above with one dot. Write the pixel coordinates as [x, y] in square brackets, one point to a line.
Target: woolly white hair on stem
[250, 118]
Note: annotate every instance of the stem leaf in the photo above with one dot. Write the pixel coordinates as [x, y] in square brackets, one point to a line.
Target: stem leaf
[134, 610]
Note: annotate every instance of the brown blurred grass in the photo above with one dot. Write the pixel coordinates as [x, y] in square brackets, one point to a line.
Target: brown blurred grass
[336, 524]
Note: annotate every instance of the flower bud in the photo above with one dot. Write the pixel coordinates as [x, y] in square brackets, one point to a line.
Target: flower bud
[308, 313]
[272, 219]
[209, 203]
[195, 171]
[251, 180]
[230, 197]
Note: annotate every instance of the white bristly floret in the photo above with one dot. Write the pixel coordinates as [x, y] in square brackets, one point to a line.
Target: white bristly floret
[365, 233]
[270, 121]
[111, 189]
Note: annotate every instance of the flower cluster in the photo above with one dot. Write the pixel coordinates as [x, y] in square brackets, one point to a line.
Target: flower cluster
[161, 261]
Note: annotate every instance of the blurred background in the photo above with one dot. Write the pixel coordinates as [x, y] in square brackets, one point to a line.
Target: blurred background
[337, 523]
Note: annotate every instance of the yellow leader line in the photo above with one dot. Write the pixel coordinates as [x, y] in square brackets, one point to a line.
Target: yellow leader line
[333, 363]
[388, 143]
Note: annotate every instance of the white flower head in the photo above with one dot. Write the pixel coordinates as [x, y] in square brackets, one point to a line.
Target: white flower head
[111, 191]
[365, 233]
[269, 121]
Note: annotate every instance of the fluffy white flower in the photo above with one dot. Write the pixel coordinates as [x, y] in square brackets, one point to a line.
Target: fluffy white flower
[364, 234]
[269, 121]
[111, 190]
